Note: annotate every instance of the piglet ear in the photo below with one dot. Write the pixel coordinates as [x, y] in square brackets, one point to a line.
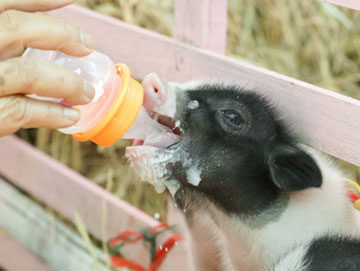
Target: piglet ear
[292, 169]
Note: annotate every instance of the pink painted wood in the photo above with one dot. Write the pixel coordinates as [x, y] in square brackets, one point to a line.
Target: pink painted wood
[14, 257]
[325, 120]
[67, 192]
[202, 23]
[354, 4]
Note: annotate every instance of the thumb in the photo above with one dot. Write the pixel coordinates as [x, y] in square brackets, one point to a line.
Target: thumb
[22, 112]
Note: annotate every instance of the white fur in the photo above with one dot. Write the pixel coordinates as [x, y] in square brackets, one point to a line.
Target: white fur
[293, 261]
[310, 213]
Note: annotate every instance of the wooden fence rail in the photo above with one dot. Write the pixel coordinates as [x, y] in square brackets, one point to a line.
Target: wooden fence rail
[14, 257]
[67, 192]
[326, 120]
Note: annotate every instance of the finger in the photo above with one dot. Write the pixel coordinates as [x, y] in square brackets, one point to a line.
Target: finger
[32, 76]
[37, 30]
[22, 112]
[33, 5]
[13, 50]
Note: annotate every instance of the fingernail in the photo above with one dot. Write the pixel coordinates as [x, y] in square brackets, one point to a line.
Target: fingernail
[87, 40]
[89, 90]
[71, 114]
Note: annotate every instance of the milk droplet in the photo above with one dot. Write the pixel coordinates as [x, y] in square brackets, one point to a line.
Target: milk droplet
[156, 215]
[192, 105]
[193, 175]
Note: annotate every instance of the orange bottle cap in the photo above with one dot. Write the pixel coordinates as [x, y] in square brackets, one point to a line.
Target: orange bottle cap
[121, 115]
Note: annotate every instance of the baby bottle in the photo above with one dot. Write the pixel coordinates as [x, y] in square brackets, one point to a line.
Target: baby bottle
[116, 110]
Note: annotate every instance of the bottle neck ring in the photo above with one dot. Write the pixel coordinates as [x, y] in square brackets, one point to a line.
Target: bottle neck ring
[121, 115]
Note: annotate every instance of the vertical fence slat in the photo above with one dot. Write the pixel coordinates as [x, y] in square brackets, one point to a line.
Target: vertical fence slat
[202, 23]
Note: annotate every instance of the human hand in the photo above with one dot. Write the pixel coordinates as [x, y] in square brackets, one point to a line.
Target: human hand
[19, 76]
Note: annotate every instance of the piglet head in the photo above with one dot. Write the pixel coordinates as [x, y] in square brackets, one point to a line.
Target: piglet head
[226, 145]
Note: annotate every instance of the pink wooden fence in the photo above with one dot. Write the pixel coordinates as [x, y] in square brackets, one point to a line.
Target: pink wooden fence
[14, 257]
[326, 120]
[309, 107]
[355, 4]
[202, 23]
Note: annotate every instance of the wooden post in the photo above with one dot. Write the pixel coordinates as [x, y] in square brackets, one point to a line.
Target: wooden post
[202, 23]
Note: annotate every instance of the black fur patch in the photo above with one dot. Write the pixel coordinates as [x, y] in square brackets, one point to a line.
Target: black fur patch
[334, 254]
[231, 136]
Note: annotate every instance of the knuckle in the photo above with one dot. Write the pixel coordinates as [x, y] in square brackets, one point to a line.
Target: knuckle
[53, 116]
[71, 34]
[71, 85]
[78, 85]
[74, 86]
[10, 20]
[52, 113]
[18, 109]
[23, 69]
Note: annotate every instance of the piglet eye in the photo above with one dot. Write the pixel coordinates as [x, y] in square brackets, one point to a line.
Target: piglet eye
[233, 121]
[233, 117]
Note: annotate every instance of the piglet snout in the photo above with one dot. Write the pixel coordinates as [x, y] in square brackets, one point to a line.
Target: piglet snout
[157, 96]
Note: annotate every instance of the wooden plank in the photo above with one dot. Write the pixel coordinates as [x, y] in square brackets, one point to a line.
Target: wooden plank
[14, 257]
[354, 4]
[67, 192]
[325, 120]
[202, 23]
[44, 235]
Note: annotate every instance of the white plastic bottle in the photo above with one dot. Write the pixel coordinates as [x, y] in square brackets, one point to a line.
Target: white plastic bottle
[116, 110]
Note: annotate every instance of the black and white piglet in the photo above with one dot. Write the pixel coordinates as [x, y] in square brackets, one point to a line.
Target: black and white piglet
[253, 198]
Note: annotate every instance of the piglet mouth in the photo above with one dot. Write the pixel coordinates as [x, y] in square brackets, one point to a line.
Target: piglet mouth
[162, 140]
[167, 121]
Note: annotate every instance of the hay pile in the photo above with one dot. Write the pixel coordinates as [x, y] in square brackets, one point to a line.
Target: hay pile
[303, 39]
